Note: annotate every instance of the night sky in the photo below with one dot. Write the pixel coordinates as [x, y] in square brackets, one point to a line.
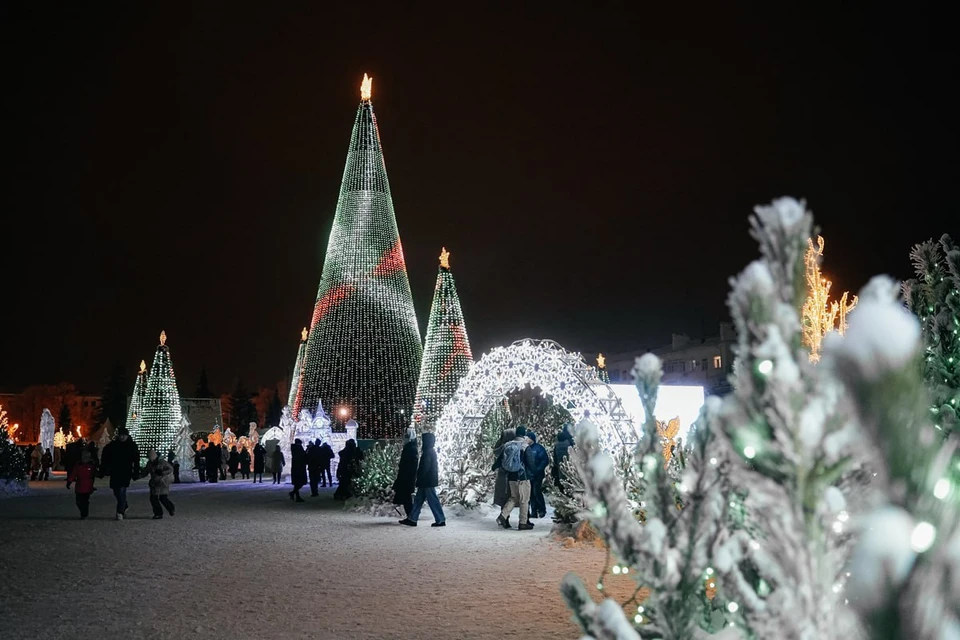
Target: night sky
[591, 171]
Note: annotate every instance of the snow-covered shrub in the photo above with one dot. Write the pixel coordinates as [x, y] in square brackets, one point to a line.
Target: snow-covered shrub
[13, 468]
[378, 472]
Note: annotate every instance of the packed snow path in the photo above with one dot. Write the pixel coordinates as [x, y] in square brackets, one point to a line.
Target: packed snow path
[242, 561]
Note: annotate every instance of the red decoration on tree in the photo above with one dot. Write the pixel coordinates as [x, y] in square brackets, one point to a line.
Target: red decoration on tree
[392, 262]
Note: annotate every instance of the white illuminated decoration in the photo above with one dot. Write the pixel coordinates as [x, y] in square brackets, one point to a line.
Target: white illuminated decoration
[682, 402]
[47, 429]
[564, 376]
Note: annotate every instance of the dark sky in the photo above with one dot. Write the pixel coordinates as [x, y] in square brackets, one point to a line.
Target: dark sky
[590, 170]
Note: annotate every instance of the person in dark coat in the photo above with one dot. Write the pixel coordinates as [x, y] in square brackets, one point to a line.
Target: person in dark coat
[313, 466]
[501, 488]
[259, 460]
[406, 482]
[537, 462]
[46, 461]
[561, 451]
[71, 455]
[298, 469]
[213, 462]
[278, 463]
[121, 461]
[175, 463]
[428, 479]
[200, 463]
[94, 454]
[348, 469]
[244, 464]
[233, 462]
[83, 474]
[326, 457]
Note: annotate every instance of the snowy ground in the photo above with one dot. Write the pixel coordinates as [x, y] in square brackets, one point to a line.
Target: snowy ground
[241, 560]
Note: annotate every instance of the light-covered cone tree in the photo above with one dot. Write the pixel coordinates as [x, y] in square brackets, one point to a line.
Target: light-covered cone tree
[905, 571]
[786, 450]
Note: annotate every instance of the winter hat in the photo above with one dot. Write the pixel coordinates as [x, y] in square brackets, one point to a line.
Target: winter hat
[410, 435]
[122, 431]
[521, 431]
[532, 435]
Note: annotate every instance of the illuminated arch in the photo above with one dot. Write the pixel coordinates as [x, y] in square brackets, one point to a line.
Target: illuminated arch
[571, 382]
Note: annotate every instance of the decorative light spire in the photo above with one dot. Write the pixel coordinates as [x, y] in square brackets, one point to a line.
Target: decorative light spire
[444, 258]
[303, 335]
[143, 366]
[366, 88]
[163, 338]
[601, 361]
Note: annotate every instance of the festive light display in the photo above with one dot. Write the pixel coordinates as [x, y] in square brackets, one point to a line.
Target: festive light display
[47, 428]
[820, 315]
[297, 375]
[542, 364]
[668, 431]
[446, 352]
[602, 372]
[160, 416]
[5, 425]
[136, 401]
[363, 350]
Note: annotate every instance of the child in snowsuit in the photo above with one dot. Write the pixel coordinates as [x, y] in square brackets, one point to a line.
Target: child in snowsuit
[82, 475]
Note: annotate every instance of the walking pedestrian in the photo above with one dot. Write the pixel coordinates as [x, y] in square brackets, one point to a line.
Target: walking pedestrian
[561, 451]
[326, 457]
[278, 463]
[313, 466]
[82, 475]
[298, 469]
[536, 460]
[213, 462]
[348, 469]
[160, 473]
[36, 457]
[518, 479]
[244, 464]
[428, 479]
[501, 488]
[200, 463]
[406, 483]
[233, 462]
[259, 460]
[224, 460]
[121, 461]
[46, 461]
[175, 463]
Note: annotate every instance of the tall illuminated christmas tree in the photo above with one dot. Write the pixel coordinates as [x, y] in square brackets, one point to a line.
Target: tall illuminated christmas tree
[136, 401]
[363, 351]
[297, 374]
[160, 415]
[446, 354]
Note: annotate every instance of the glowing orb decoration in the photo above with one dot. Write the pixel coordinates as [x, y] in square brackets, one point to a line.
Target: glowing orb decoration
[682, 402]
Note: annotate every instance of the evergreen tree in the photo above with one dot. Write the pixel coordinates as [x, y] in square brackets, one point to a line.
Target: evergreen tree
[934, 296]
[66, 420]
[242, 409]
[203, 389]
[296, 377]
[113, 402]
[134, 411]
[160, 414]
[363, 350]
[446, 354]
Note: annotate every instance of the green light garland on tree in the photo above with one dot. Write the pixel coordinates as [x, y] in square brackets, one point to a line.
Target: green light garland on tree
[446, 354]
[136, 401]
[297, 375]
[363, 351]
[160, 415]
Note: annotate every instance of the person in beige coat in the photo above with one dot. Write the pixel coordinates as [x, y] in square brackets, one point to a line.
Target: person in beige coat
[160, 473]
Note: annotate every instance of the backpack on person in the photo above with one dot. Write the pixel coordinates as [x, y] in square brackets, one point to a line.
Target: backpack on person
[511, 457]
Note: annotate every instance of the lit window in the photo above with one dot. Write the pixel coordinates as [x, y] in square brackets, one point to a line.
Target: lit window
[717, 362]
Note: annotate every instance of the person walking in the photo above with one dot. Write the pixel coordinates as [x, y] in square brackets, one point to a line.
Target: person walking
[233, 462]
[71, 455]
[518, 479]
[36, 457]
[121, 461]
[200, 463]
[259, 461]
[428, 479]
[326, 457]
[224, 460]
[244, 464]
[561, 451]
[82, 476]
[213, 462]
[298, 469]
[348, 469]
[46, 461]
[313, 466]
[278, 463]
[406, 483]
[175, 463]
[537, 461]
[501, 488]
[160, 473]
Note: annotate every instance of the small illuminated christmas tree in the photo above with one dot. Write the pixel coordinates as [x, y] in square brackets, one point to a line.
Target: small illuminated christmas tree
[602, 372]
[160, 416]
[297, 374]
[446, 354]
[136, 401]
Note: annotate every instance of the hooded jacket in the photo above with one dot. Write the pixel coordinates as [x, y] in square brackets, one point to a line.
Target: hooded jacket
[298, 464]
[428, 473]
[259, 458]
[160, 473]
[406, 482]
[121, 461]
[561, 451]
[536, 458]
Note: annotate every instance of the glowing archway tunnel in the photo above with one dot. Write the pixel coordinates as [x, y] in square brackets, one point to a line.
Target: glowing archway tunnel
[571, 382]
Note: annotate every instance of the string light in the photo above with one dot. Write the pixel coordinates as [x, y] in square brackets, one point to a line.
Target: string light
[446, 353]
[363, 347]
[922, 537]
[297, 377]
[942, 489]
[819, 314]
[160, 415]
[136, 400]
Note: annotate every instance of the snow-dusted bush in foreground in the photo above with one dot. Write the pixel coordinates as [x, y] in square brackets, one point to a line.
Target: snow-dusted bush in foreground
[796, 447]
